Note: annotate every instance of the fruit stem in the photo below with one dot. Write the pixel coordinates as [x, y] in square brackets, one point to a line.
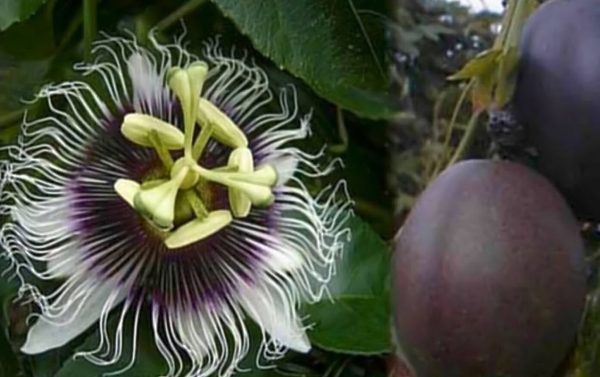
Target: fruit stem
[512, 24]
[455, 113]
[467, 138]
[178, 14]
[89, 27]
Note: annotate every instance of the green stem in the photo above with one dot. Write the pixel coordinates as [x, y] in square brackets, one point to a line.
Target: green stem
[343, 133]
[516, 26]
[212, 176]
[72, 28]
[455, 113]
[89, 27]
[162, 152]
[196, 203]
[467, 138]
[49, 14]
[178, 14]
[506, 24]
[11, 118]
[201, 141]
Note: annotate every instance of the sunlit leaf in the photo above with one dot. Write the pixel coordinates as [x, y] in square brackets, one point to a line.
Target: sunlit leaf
[480, 65]
[334, 46]
[12, 11]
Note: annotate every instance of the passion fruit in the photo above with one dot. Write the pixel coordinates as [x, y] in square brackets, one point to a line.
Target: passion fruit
[489, 275]
[557, 98]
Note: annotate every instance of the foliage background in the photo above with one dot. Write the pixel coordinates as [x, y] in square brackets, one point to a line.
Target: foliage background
[373, 73]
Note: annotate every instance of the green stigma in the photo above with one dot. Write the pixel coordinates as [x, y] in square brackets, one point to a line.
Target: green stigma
[179, 194]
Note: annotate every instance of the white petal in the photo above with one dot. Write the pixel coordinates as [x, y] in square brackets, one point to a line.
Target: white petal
[285, 166]
[273, 311]
[47, 334]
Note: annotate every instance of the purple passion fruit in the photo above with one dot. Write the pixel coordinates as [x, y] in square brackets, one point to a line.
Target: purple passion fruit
[489, 275]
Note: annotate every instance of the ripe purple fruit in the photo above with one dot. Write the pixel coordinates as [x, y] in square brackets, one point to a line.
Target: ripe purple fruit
[489, 275]
[557, 98]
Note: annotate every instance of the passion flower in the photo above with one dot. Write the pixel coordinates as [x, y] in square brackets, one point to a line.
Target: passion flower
[170, 187]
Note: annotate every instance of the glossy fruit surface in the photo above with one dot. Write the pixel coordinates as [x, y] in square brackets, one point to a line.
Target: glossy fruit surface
[558, 98]
[489, 275]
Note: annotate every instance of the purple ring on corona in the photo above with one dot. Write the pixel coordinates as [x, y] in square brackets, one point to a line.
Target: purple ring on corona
[170, 189]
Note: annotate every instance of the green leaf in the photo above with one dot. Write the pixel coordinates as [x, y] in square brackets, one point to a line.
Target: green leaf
[12, 11]
[355, 325]
[20, 81]
[356, 320]
[480, 65]
[364, 268]
[9, 365]
[335, 47]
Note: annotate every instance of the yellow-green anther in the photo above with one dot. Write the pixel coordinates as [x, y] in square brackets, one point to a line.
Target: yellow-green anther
[258, 194]
[198, 229]
[244, 183]
[223, 128]
[179, 82]
[152, 183]
[241, 159]
[158, 203]
[140, 128]
[264, 175]
[127, 189]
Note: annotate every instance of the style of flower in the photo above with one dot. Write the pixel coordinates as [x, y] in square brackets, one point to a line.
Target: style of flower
[169, 190]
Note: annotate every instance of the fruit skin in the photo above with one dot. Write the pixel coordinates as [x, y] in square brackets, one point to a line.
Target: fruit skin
[489, 275]
[557, 98]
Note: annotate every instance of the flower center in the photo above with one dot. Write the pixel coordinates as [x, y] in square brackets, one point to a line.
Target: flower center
[176, 204]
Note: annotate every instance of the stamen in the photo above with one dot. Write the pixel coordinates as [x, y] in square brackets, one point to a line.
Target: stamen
[127, 189]
[241, 159]
[179, 83]
[187, 86]
[197, 74]
[191, 177]
[158, 203]
[196, 203]
[139, 129]
[224, 129]
[200, 143]
[198, 229]
[259, 194]
[161, 150]
[265, 175]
